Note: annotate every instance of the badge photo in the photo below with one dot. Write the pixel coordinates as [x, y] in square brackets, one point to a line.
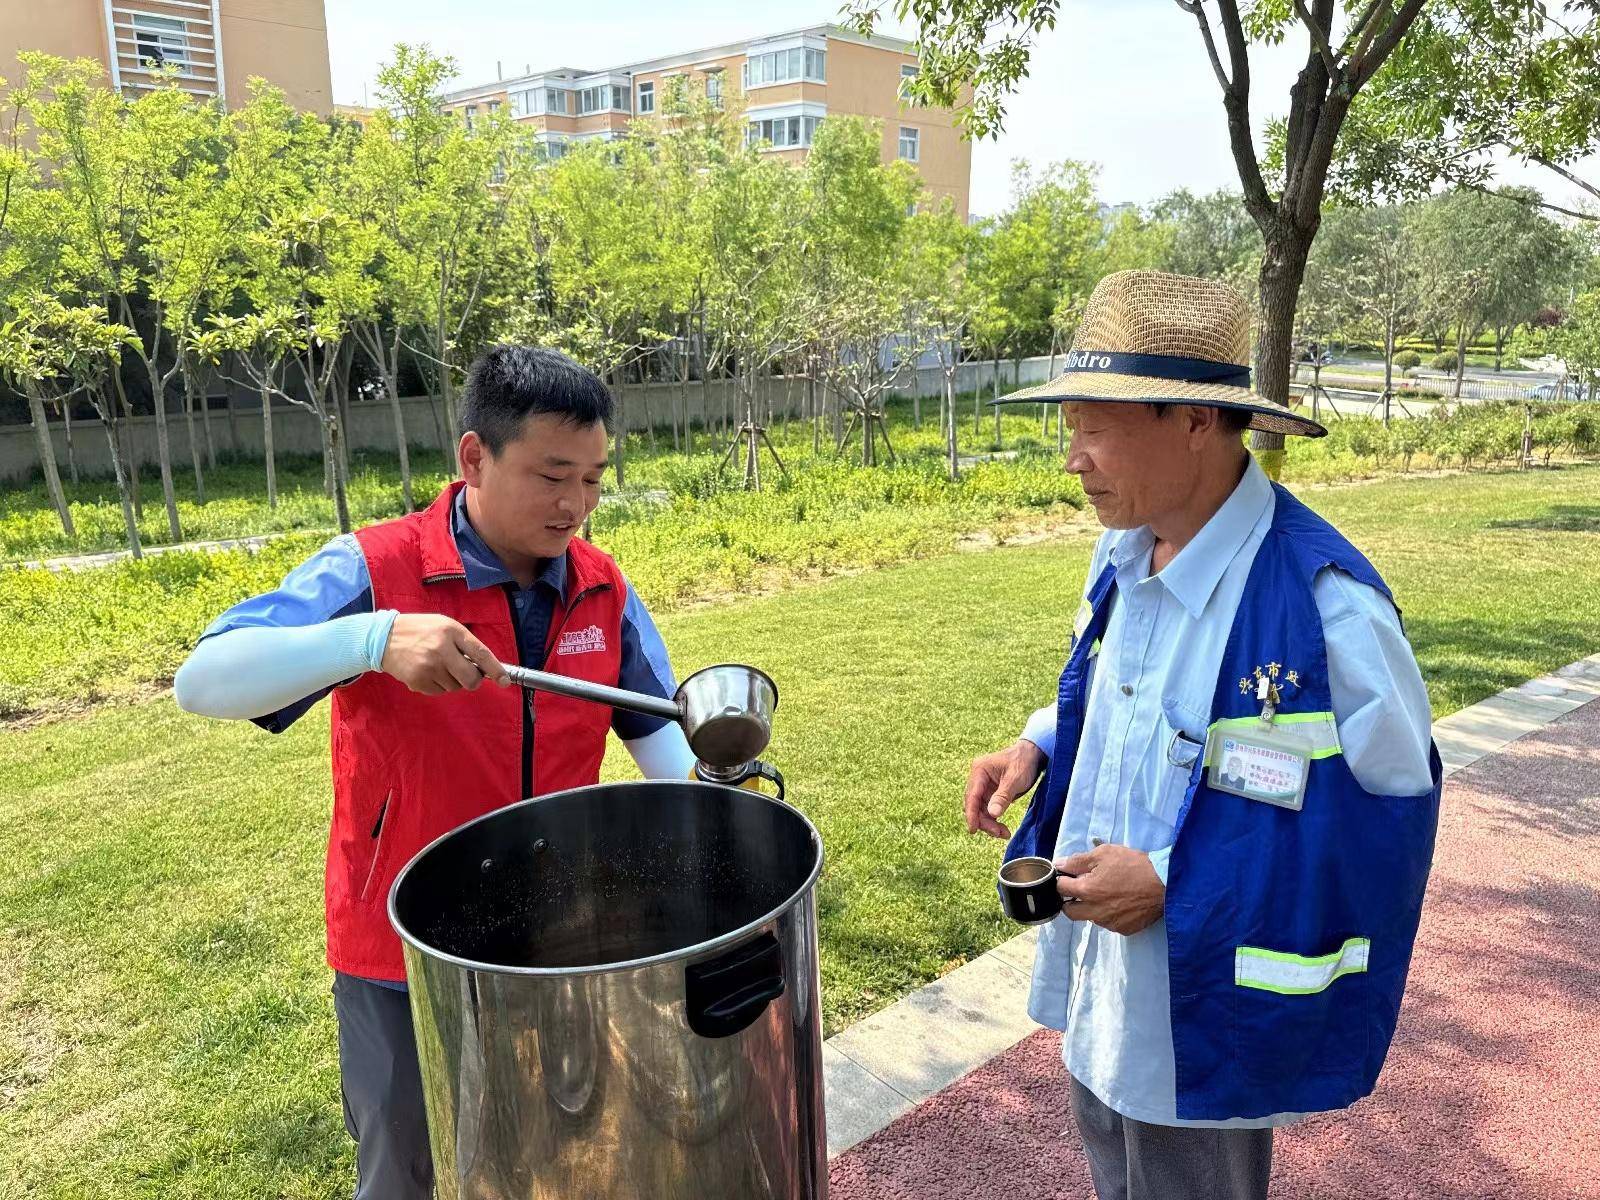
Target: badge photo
[1269, 765]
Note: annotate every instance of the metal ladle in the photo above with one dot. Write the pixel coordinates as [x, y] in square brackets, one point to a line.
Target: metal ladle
[725, 710]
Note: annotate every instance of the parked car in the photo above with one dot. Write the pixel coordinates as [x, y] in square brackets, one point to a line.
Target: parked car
[1548, 391]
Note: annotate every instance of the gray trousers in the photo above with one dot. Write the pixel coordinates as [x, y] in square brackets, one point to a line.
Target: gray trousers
[382, 1088]
[1130, 1160]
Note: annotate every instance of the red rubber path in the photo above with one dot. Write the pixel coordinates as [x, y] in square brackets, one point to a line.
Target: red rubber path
[1492, 1087]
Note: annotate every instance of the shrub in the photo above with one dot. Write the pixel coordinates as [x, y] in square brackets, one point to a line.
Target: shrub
[1445, 362]
[1407, 359]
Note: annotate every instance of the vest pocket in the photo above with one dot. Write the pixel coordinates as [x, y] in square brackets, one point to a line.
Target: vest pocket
[1300, 1018]
[381, 841]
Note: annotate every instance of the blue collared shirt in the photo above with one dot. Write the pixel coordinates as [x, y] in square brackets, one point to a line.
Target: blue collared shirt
[1148, 709]
[334, 582]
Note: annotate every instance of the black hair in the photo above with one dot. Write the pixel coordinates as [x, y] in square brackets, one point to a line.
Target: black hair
[508, 384]
[1233, 420]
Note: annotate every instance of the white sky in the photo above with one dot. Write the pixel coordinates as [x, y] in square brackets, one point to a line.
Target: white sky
[1121, 83]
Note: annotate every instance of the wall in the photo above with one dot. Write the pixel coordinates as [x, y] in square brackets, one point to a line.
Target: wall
[865, 80]
[285, 41]
[69, 28]
[372, 427]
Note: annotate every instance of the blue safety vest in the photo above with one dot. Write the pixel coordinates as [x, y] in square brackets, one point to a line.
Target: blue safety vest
[1289, 933]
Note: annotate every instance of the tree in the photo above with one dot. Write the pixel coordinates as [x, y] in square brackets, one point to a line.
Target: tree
[1577, 341]
[90, 219]
[1527, 259]
[1476, 83]
[1212, 236]
[851, 270]
[307, 272]
[436, 188]
[25, 264]
[602, 262]
[985, 44]
[939, 300]
[1363, 275]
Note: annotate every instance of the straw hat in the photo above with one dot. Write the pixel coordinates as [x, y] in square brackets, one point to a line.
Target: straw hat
[1151, 337]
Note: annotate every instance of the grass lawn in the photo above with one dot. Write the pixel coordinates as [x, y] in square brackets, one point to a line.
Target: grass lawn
[165, 1024]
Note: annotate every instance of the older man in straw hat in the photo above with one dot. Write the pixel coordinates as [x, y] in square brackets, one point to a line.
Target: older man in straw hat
[1239, 787]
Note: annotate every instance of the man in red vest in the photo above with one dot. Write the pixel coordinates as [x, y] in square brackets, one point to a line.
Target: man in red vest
[405, 623]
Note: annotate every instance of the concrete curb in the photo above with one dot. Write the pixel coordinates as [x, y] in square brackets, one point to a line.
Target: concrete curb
[884, 1065]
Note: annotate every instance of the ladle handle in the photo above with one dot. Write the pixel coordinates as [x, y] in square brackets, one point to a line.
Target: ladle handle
[599, 693]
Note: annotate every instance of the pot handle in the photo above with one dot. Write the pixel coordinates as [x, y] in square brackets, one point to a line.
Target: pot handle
[726, 994]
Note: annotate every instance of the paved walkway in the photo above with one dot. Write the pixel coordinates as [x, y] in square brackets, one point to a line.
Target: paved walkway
[1490, 1089]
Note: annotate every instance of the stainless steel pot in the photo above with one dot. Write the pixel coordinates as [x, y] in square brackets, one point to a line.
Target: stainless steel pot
[615, 995]
[726, 710]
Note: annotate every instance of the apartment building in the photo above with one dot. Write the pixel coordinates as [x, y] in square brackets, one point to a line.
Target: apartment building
[786, 84]
[215, 45]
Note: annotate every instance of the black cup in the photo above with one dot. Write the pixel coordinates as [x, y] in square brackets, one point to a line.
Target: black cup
[1028, 890]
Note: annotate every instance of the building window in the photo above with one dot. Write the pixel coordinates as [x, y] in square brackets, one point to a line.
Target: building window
[782, 66]
[160, 41]
[603, 98]
[714, 88]
[555, 150]
[491, 107]
[524, 104]
[469, 113]
[784, 133]
[910, 143]
[555, 101]
[908, 73]
[647, 98]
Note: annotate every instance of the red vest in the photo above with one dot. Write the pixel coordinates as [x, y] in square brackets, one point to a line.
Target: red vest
[409, 768]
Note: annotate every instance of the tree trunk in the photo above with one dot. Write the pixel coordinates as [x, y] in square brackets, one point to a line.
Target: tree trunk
[124, 433]
[341, 382]
[391, 383]
[916, 402]
[1461, 358]
[331, 437]
[621, 435]
[867, 442]
[950, 425]
[1499, 347]
[816, 414]
[644, 399]
[158, 400]
[233, 420]
[1388, 367]
[681, 412]
[266, 446]
[205, 425]
[447, 397]
[130, 523]
[1283, 265]
[47, 459]
[194, 442]
[66, 425]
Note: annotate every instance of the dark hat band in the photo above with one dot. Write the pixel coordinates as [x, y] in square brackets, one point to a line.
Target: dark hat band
[1157, 366]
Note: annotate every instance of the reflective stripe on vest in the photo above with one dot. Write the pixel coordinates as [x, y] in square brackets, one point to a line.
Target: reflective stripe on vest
[1294, 975]
[1316, 727]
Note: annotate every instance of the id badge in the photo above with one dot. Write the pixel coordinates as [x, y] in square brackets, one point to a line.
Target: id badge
[1268, 764]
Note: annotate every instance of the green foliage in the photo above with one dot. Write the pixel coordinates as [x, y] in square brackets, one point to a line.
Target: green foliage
[1408, 360]
[1448, 361]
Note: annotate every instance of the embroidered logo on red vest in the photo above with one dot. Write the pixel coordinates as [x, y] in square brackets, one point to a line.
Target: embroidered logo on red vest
[582, 641]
